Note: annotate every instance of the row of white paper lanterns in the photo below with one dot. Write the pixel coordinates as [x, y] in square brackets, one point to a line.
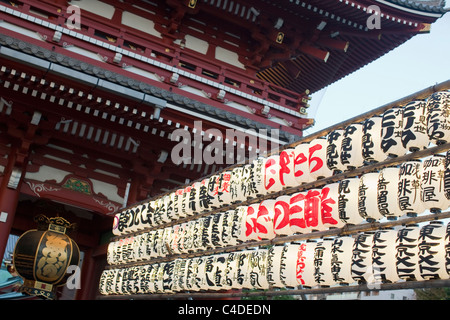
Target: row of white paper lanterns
[412, 188]
[397, 131]
[410, 253]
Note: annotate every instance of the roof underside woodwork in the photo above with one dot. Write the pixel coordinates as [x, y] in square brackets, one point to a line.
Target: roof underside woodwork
[125, 112]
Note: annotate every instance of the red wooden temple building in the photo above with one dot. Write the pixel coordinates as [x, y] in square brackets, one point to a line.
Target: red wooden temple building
[91, 92]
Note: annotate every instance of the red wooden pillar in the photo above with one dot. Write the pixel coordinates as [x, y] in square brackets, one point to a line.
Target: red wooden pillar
[9, 198]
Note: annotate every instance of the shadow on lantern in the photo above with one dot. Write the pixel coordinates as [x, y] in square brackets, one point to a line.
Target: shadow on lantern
[43, 256]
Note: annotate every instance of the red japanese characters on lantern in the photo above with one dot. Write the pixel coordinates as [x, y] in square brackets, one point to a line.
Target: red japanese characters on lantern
[251, 232]
[264, 220]
[272, 182]
[301, 163]
[317, 159]
[281, 216]
[287, 168]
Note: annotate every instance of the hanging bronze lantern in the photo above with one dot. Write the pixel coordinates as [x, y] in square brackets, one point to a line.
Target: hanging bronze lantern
[42, 256]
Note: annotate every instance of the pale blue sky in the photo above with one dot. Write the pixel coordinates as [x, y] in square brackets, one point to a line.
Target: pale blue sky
[417, 64]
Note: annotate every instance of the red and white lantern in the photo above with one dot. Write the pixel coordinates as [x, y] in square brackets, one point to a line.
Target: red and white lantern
[281, 216]
[287, 168]
[317, 159]
[301, 163]
[297, 221]
[264, 220]
[272, 168]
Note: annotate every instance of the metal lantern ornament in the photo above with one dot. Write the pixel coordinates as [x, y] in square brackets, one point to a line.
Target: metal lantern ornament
[42, 257]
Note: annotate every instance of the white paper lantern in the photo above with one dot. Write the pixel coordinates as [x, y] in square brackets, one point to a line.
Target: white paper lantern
[301, 163]
[438, 105]
[348, 201]
[118, 282]
[410, 177]
[281, 216]
[244, 273]
[367, 197]
[257, 269]
[322, 262]
[237, 178]
[227, 227]
[334, 144]
[414, 131]
[371, 140]
[167, 276]
[341, 260]
[197, 235]
[387, 192]
[289, 265]
[242, 268]
[213, 191]
[407, 253]
[135, 219]
[169, 202]
[264, 220]
[178, 203]
[224, 188]
[362, 267]
[351, 147]
[330, 206]
[432, 253]
[317, 159]
[255, 178]
[297, 222]
[287, 168]
[251, 232]
[391, 132]
[432, 190]
[304, 263]
[229, 278]
[147, 218]
[204, 199]
[274, 266]
[218, 230]
[384, 256]
[116, 223]
[447, 175]
[272, 168]
[219, 271]
[313, 210]
[199, 279]
[447, 248]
